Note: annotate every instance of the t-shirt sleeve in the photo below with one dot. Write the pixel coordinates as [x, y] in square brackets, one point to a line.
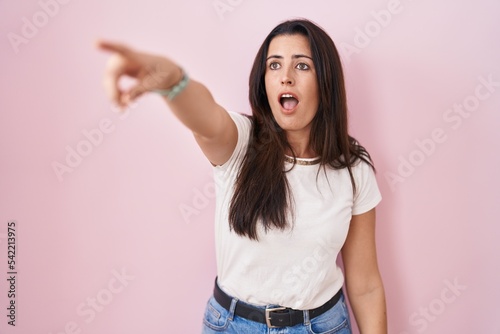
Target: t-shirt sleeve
[367, 194]
[243, 126]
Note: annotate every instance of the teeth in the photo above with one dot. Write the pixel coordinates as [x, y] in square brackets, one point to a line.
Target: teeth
[287, 95]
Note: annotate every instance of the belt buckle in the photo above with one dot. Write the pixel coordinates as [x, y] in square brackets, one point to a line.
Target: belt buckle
[268, 316]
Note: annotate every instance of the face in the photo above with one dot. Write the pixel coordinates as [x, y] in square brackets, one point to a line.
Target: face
[291, 85]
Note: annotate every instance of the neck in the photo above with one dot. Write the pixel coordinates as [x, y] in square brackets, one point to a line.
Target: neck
[300, 145]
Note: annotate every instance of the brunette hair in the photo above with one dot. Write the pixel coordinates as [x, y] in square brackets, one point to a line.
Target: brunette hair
[261, 190]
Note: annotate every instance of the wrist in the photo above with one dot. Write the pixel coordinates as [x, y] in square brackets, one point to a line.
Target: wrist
[176, 77]
[182, 80]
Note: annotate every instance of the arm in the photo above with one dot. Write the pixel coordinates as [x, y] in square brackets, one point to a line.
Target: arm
[363, 281]
[213, 128]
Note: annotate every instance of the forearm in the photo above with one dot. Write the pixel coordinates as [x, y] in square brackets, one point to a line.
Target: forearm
[212, 126]
[196, 108]
[369, 309]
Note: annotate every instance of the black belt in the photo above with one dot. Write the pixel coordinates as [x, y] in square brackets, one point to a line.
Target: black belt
[273, 317]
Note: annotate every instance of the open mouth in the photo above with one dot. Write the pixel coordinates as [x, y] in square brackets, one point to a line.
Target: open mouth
[288, 101]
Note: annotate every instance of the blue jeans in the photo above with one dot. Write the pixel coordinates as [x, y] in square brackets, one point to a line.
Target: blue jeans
[219, 320]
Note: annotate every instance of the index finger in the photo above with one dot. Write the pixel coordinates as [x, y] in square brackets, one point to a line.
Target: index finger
[114, 47]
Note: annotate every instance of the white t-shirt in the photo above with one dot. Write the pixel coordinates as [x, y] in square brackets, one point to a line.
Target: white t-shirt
[297, 267]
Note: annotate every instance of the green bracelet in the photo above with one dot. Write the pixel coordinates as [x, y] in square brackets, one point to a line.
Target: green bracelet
[175, 90]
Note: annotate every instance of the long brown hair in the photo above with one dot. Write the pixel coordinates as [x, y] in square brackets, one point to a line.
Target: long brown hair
[262, 191]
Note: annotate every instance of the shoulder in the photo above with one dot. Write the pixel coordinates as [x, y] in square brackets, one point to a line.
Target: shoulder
[241, 120]
[367, 194]
[243, 125]
[361, 166]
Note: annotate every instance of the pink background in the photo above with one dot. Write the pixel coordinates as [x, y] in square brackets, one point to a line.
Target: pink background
[119, 209]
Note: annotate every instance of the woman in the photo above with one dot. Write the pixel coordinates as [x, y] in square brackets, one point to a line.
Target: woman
[293, 188]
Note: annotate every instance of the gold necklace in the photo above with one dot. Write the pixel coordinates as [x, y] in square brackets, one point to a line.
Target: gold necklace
[302, 161]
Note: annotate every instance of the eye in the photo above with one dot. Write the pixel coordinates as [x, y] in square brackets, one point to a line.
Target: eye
[274, 65]
[302, 66]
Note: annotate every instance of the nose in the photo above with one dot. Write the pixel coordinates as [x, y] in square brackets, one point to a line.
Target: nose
[287, 78]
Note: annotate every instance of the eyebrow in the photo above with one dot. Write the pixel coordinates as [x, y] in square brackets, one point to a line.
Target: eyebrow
[293, 57]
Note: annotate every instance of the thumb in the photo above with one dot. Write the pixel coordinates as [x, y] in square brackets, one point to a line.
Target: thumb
[133, 94]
